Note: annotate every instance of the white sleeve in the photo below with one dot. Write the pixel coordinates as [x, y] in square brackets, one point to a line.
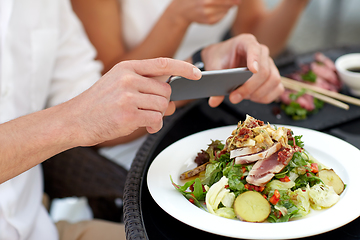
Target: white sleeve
[75, 69]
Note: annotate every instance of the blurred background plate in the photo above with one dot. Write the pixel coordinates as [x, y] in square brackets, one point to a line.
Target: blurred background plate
[328, 117]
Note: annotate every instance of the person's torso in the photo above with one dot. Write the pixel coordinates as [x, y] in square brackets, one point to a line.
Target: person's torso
[43, 53]
[27, 65]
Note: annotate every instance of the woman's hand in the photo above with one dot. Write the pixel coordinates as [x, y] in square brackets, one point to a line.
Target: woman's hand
[201, 11]
[244, 51]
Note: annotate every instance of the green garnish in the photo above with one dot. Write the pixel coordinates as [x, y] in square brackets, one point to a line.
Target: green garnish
[310, 76]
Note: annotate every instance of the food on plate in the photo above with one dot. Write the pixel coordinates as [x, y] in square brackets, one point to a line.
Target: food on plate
[260, 173]
[321, 73]
[251, 206]
[330, 178]
[193, 172]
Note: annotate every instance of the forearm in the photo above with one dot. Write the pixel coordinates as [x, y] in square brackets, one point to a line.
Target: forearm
[273, 28]
[31, 139]
[102, 21]
[163, 40]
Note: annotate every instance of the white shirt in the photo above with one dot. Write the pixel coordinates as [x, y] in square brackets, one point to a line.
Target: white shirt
[5, 10]
[45, 59]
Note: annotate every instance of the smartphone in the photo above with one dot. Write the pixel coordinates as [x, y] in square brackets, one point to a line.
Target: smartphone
[212, 83]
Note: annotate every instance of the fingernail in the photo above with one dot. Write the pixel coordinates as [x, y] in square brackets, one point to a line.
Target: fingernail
[256, 66]
[197, 72]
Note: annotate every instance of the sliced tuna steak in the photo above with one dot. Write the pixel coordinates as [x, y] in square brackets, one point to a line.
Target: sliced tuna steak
[258, 156]
[244, 151]
[263, 170]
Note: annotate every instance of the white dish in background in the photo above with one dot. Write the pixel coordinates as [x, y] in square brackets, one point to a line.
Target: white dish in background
[178, 157]
[349, 78]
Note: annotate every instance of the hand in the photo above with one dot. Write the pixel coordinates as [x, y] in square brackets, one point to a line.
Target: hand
[201, 11]
[240, 51]
[127, 98]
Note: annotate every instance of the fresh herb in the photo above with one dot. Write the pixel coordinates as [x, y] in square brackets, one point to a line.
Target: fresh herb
[198, 194]
[235, 174]
[224, 158]
[310, 76]
[298, 160]
[295, 111]
[318, 105]
[298, 141]
[296, 95]
[307, 179]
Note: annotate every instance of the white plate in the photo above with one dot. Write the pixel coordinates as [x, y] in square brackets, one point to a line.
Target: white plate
[178, 157]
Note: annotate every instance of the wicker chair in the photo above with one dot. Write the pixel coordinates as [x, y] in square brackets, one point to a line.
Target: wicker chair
[82, 172]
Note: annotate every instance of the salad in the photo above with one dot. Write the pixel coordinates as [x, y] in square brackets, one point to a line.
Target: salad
[261, 173]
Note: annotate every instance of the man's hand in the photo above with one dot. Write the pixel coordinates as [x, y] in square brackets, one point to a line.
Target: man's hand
[244, 51]
[126, 98]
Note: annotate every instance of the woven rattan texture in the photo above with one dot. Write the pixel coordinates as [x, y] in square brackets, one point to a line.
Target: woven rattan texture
[81, 172]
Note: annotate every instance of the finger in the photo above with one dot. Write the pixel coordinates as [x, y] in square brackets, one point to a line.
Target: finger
[152, 121]
[153, 86]
[235, 97]
[257, 57]
[163, 78]
[258, 78]
[171, 109]
[272, 95]
[154, 127]
[267, 87]
[165, 66]
[152, 102]
[250, 48]
[215, 101]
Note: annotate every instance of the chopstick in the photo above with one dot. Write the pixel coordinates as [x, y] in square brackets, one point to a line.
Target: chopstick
[324, 98]
[339, 96]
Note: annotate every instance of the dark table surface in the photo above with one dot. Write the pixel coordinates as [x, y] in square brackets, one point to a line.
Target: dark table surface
[144, 219]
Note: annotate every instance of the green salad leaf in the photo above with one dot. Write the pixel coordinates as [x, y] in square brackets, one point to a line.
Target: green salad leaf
[310, 76]
[193, 196]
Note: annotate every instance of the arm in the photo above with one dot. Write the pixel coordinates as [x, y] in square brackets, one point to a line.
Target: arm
[119, 103]
[271, 28]
[102, 22]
